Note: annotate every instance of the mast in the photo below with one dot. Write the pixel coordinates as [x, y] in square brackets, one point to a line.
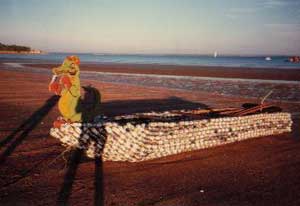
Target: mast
[215, 54]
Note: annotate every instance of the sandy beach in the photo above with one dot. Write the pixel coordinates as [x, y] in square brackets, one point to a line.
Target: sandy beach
[263, 171]
[231, 82]
[199, 103]
[203, 71]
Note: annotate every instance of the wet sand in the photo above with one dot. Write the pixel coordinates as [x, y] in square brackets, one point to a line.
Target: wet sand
[226, 81]
[263, 171]
[202, 71]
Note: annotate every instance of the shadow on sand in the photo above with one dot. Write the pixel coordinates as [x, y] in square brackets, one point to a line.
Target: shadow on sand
[114, 108]
[296, 128]
[66, 189]
[25, 128]
[98, 183]
[122, 107]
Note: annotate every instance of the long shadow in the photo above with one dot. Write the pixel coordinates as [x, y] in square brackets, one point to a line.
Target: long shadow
[73, 164]
[26, 127]
[99, 178]
[113, 108]
[89, 110]
[66, 189]
[98, 182]
[123, 107]
[296, 128]
[33, 118]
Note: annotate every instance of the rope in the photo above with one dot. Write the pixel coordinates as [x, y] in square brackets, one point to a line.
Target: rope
[265, 97]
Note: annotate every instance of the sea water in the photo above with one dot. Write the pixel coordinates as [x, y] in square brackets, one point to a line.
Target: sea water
[195, 60]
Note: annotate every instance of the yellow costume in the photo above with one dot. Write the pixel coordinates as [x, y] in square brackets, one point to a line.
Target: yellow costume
[72, 107]
[68, 87]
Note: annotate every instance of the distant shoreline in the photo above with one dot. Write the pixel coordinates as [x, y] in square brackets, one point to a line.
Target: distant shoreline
[22, 52]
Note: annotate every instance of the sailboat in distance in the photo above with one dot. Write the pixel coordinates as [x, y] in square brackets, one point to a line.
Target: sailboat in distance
[215, 54]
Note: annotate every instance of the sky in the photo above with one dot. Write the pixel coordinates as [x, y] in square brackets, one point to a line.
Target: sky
[241, 27]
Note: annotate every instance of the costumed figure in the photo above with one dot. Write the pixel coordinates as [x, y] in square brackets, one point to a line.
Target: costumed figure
[66, 83]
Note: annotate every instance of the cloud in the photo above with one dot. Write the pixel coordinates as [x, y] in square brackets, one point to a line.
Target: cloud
[231, 16]
[285, 31]
[284, 27]
[243, 10]
[262, 6]
[234, 13]
[279, 3]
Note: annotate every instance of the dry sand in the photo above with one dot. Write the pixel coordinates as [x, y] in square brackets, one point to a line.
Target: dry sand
[262, 171]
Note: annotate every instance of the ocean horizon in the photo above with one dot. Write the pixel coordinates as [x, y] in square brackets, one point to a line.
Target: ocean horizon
[249, 61]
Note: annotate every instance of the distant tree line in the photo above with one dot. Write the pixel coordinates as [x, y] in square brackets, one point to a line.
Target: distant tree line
[14, 48]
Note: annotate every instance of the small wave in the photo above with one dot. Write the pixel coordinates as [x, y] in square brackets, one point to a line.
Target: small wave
[13, 64]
